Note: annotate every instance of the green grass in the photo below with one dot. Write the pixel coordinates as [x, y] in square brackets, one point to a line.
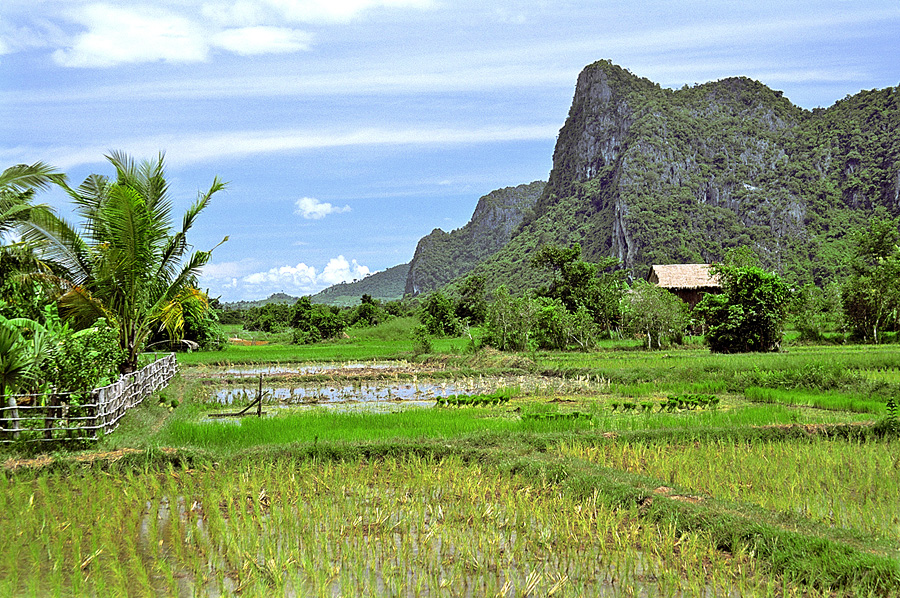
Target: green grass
[374, 527]
[391, 340]
[328, 426]
[844, 484]
[834, 401]
[794, 497]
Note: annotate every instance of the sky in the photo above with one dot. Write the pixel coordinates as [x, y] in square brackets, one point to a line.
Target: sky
[349, 129]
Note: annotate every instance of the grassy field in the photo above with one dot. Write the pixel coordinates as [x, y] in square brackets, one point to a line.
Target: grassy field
[620, 472]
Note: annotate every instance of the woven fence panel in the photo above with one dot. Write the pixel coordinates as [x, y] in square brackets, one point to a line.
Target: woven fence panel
[52, 417]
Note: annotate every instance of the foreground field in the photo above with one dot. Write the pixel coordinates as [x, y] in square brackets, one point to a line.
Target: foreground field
[617, 473]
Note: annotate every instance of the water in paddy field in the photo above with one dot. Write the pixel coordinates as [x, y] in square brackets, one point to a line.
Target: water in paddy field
[371, 394]
[278, 370]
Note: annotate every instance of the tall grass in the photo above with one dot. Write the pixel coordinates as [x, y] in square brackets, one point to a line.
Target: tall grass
[835, 401]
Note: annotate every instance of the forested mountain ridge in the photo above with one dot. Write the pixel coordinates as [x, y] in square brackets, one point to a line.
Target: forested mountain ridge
[653, 175]
[386, 285]
[440, 256]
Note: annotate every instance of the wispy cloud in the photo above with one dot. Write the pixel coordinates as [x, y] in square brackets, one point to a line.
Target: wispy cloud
[118, 35]
[188, 149]
[313, 209]
[248, 41]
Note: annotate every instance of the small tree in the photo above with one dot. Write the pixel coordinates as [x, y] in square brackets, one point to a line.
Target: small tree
[439, 315]
[750, 313]
[576, 283]
[656, 314]
[871, 297]
[510, 321]
[472, 306]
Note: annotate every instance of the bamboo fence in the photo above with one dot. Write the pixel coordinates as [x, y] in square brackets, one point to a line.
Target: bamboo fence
[53, 416]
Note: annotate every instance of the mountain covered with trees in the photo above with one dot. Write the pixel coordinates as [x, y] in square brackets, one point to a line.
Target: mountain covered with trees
[441, 256]
[650, 175]
[387, 285]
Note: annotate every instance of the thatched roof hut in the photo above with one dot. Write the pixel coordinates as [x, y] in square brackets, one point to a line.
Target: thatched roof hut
[688, 281]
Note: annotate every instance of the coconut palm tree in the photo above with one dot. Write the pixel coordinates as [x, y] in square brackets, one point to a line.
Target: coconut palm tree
[17, 186]
[125, 263]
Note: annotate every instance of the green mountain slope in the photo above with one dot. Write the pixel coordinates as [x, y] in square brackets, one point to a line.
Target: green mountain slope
[386, 285]
[653, 175]
[440, 257]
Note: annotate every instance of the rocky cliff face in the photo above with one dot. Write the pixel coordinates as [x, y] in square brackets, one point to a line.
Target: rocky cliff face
[652, 175]
[440, 257]
[659, 176]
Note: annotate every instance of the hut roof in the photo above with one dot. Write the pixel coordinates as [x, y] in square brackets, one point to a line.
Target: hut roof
[683, 276]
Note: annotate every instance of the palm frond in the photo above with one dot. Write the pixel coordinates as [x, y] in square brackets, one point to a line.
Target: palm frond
[81, 309]
[59, 244]
[22, 177]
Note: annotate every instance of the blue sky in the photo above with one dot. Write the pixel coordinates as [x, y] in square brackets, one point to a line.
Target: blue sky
[349, 129]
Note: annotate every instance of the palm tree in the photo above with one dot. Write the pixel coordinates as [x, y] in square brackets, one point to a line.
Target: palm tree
[21, 272]
[17, 186]
[125, 264]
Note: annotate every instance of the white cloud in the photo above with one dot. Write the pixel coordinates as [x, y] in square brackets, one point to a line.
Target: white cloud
[219, 271]
[336, 11]
[296, 277]
[118, 35]
[303, 279]
[340, 270]
[313, 209]
[248, 41]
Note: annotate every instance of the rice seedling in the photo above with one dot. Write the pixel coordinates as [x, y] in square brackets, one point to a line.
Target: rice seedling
[842, 484]
[381, 527]
[835, 401]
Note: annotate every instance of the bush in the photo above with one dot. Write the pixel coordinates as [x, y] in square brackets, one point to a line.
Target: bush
[510, 321]
[439, 316]
[421, 340]
[749, 315]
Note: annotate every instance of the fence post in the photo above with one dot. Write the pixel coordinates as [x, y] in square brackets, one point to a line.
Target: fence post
[13, 414]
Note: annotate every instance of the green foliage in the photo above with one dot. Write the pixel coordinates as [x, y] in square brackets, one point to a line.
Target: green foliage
[472, 306]
[439, 315]
[871, 296]
[750, 313]
[312, 323]
[272, 317]
[510, 321]
[85, 359]
[369, 312]
[421, 340]
[815, 311]
[656, 314]
[580, 284]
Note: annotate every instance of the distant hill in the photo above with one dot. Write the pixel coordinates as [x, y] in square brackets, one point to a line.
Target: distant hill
[657, 176]
[386, 285]
[440, 257]
[273, 298]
